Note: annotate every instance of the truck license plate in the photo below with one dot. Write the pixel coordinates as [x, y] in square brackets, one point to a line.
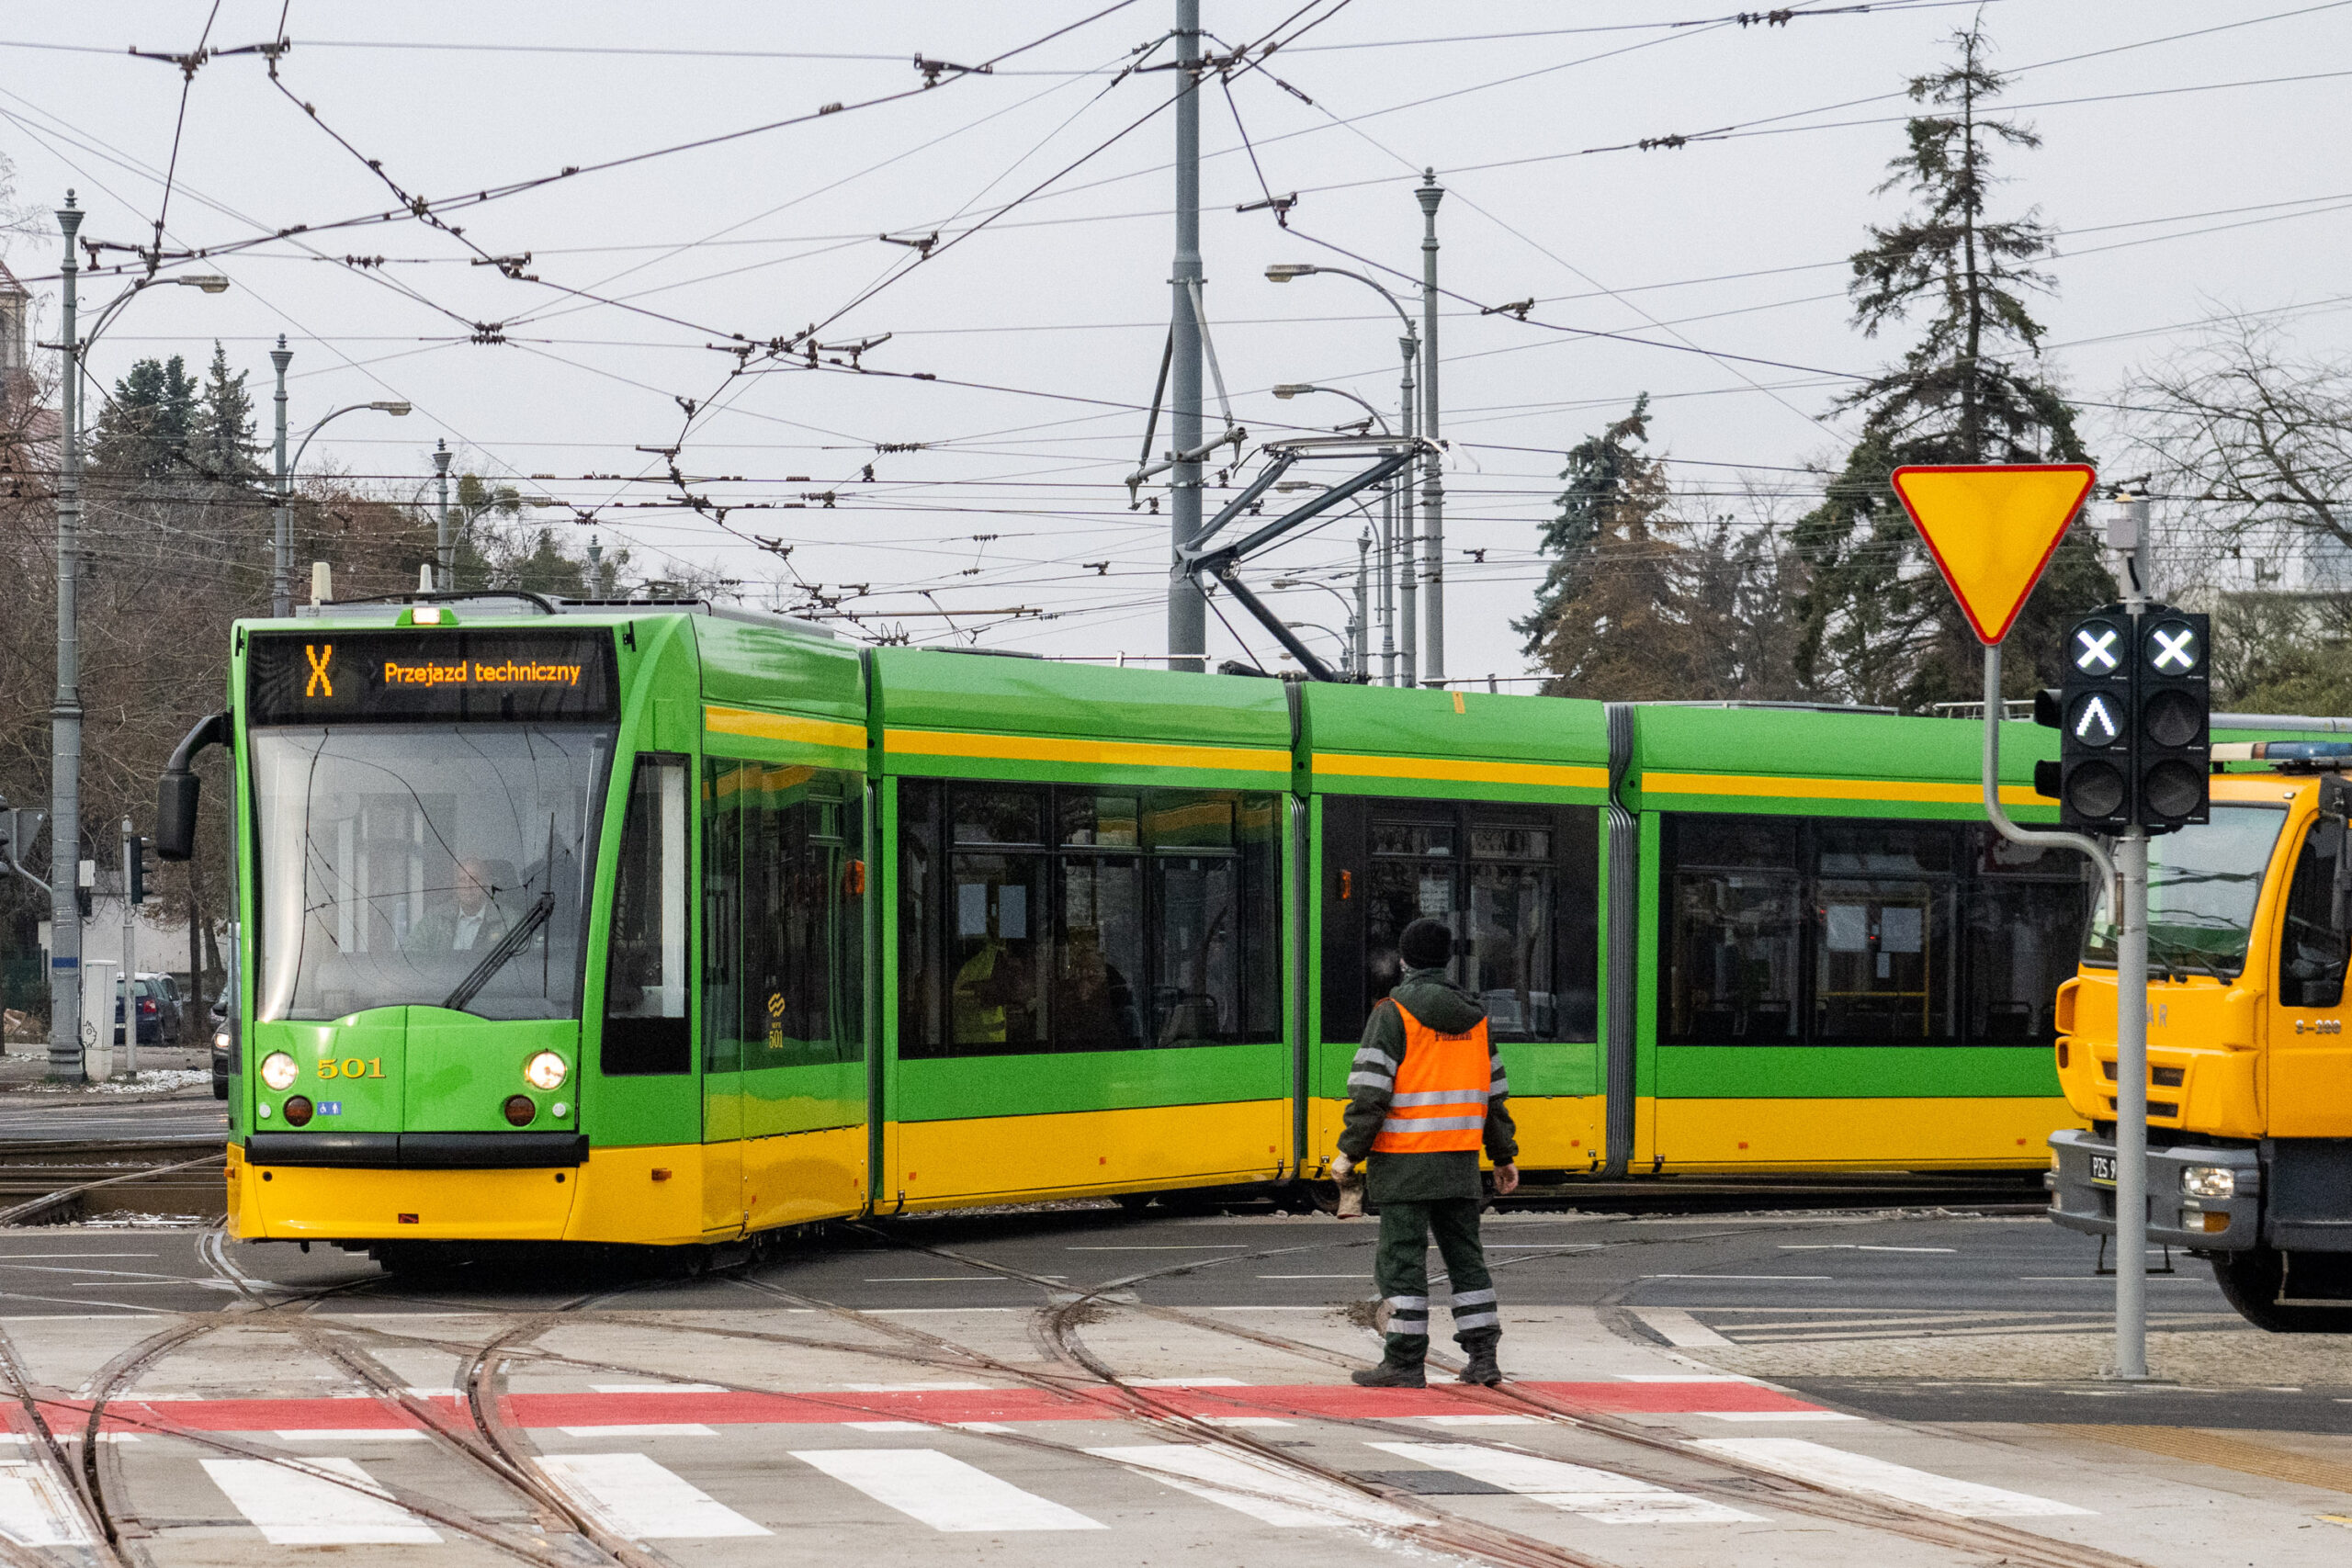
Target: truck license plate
[2103, 1171]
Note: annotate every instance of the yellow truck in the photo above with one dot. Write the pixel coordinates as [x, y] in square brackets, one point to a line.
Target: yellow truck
[2249, 1068]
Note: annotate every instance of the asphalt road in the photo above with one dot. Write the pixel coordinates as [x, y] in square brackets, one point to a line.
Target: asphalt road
[25, 1116]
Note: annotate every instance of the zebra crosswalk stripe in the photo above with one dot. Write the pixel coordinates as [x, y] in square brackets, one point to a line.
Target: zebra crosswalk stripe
[1597, 1495]
[942, 1491]
[293, 1509]
[1266, 1493]
[635, 1497]
[1822, 1465]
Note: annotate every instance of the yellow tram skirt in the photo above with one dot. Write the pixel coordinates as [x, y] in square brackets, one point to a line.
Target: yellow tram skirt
[662, 1194]
[1986, 1134]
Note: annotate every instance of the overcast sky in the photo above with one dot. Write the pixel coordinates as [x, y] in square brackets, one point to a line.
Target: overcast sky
[2193, 162]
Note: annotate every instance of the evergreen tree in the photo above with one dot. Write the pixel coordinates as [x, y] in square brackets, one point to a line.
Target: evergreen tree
[1612, 618]
[221, 444]
[144, 432]
[1878, 624]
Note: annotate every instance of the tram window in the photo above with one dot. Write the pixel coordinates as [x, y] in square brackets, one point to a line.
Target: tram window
[1517, 884]
[923, 991]
[782, 933]
[1146, 918]
[646, 980]
[1862, 932]
[2312, 951]
[1732, 973]
[2025, 908]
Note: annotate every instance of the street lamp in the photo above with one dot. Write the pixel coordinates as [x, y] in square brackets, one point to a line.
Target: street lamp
[1352, 644]
[1289, 390]
[66, 1059]
[281, 585]
[1396, 578]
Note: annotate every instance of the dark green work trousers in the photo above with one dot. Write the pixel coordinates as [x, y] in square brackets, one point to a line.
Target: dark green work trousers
[1401, 1272]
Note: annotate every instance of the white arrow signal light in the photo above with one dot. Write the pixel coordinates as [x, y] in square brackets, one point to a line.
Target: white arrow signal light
[2095, 649]
[2096, 723]
[2176, 651]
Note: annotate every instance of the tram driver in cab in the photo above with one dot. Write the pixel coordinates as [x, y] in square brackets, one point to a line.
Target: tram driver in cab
[472, 922]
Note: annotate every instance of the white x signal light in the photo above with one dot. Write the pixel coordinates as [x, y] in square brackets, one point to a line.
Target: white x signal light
[2176, 651]
[2095, 649]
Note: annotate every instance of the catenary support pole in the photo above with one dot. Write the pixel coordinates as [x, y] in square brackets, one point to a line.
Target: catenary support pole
[1361, 631]
[65, 711]
[444, 547]
[281, 572]
[1409, 631]
[1429, 192]
[131, 964]
[1187, 608]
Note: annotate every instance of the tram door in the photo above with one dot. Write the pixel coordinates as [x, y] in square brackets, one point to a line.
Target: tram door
[722, 998]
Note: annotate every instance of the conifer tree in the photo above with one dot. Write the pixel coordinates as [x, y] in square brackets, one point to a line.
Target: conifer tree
[1878, 624]
[221, 444]
[1612, 618]
[144, 431]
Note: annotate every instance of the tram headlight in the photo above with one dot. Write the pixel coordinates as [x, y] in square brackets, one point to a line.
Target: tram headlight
[545, 1071]
[2209, 1182]
[278, 1071]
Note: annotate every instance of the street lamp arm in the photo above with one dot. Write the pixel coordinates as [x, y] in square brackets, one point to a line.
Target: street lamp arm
[295, 466]
[1412, 328]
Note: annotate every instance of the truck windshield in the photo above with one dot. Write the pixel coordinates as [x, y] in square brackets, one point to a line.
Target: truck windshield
[438, 865]
[2202, 883]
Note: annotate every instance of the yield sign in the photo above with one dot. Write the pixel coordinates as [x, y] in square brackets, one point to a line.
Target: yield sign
[1992, 529]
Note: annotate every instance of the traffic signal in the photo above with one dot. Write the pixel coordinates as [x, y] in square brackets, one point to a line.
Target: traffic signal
[2172, 712]
[135, 868]
[2094, 717]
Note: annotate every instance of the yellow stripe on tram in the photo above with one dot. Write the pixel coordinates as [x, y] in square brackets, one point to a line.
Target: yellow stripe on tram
[785, 727]
[1453, 770]
[1098, 753]
[1912, 790]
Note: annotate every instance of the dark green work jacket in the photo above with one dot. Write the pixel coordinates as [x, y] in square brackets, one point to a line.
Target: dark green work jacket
[1420, 1178]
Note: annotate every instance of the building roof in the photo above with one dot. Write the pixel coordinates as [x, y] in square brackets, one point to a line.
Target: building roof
[9, 283]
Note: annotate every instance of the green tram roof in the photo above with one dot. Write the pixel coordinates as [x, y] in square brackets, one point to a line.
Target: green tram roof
[1779, 758]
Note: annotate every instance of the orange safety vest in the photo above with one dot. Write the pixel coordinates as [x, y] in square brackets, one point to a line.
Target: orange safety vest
[1440, 1101]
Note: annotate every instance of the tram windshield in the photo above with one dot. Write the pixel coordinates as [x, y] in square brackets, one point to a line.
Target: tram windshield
[2202, 883]
[427, 864]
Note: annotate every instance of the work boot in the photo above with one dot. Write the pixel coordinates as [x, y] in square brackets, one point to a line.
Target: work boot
[1481, 1368]
[1390, 1374]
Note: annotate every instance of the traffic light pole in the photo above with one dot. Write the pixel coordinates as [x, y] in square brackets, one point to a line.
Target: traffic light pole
[2125, 875]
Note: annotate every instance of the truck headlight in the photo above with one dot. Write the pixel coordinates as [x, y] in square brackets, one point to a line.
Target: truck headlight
[278, 1071]
[2209, 1182]
[545, 1071]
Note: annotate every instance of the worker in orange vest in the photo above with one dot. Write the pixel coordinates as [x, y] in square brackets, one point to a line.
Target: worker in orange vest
[1425, 1094]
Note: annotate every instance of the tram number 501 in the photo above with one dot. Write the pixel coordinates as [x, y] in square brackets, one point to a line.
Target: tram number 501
[352, 1067]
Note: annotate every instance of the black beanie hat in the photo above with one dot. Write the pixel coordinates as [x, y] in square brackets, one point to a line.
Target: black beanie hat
[1426, 945]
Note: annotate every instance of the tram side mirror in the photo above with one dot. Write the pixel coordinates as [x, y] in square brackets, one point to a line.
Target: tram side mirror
[176, 801]
[179, 790]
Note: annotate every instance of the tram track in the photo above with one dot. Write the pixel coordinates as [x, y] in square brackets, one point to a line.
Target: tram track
[483, 1440]
[2006, 1544]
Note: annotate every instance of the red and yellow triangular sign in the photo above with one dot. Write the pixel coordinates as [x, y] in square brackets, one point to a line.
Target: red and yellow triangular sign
[1992, 528]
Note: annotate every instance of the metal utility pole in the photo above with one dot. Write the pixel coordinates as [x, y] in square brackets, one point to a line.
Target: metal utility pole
[131, 963]
[2127, 535]
[1362, 625]
[1429, 192]
[1407, 590]
[444, 547]
[65, 712]
[281, 574]
[1187, 607]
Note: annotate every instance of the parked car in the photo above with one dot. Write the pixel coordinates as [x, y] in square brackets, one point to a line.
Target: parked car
[159, 1010]
[223, 1048]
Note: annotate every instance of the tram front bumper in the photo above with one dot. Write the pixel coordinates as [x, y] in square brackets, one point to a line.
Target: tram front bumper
[2200, 1199]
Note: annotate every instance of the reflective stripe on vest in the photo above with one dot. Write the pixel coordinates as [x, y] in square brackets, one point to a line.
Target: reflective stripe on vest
[1442, 1087]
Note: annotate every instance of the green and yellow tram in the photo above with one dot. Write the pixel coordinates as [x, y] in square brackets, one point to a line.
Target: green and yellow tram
[666, 924]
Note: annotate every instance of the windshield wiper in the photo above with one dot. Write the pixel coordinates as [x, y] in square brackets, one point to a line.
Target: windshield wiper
[497, 958]
[2183, 956]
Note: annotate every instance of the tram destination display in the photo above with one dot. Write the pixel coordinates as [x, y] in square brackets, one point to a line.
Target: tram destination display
[392, 677]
